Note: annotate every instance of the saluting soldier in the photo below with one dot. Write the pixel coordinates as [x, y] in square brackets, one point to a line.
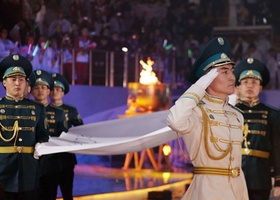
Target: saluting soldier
[23, 127]
[261, 146]
[50, 165]
[210, 127]
[61, 87]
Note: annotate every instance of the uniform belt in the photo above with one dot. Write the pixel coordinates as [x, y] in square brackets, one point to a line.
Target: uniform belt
[21, 128]
[256, 153]
[16, 149]
[217, 171]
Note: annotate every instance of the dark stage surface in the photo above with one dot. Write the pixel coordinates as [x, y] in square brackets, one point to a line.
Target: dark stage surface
[95, 182]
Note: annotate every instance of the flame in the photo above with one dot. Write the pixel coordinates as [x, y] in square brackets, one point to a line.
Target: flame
[147, 76]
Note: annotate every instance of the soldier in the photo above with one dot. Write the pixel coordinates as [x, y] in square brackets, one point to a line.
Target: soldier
[210, 127]
[22, 129]
[61, 87]
[50, 165]
[261, 146]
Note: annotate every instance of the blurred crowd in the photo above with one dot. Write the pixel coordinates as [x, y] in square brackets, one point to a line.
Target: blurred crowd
[54, 34]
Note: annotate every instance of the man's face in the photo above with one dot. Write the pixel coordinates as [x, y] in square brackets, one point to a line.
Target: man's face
[249, 89]
[15, 85]
[40, 93]
[57, 94]
[224, 83]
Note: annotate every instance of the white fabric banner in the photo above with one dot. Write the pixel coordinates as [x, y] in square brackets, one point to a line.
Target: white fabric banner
[113, 137]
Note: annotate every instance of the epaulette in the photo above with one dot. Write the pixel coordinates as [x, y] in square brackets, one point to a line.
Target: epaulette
[36, 102]
[56, 107]
[70, 106]
[234, 107]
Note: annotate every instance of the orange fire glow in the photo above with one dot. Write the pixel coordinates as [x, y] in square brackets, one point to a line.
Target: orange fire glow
[147, 76]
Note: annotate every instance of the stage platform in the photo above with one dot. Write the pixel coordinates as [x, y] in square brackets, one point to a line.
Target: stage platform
[96, 180]
[93, 182]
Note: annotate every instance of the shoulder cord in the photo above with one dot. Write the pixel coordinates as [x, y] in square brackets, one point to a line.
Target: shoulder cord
[15, 134]
[245, 132]
[205, 131]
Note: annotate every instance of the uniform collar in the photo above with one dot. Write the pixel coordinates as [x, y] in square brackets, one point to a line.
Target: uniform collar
[214, 99]
[11, 98]
[250, 104]
[57, 104]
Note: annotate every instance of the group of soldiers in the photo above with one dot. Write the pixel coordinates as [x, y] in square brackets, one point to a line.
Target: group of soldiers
[25, 124]
[235, 149]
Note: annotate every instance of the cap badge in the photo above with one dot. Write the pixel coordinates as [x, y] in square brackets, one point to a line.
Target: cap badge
[16, 69]
[221, 41]
[250, 72]
[223, 55]
[15, 57]
[38, 72]
[250, 60]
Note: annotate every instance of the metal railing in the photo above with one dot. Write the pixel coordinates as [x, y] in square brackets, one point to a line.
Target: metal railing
[111, 69]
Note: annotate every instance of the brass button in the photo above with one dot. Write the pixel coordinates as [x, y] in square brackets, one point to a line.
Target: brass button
[19, 149]
[247, 151]
[235, 172]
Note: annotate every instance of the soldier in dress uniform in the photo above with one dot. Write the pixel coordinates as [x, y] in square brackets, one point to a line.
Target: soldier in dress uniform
[210, 127]
[261, 146]
[61, 87]
[50, 165]
[23, 127]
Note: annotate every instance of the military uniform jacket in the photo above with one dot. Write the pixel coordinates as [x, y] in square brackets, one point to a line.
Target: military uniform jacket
[263, 135]
[73, 119]
[218, 147]
[52, 163]
[18, 171]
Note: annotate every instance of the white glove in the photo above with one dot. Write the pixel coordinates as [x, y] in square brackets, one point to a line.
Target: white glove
[232, 99]
[36, 154]
[207, 79]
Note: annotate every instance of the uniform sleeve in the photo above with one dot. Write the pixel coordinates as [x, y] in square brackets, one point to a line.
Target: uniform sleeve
[61, 123]
[75, 119]
[41, 131]
[275, 126]
[182, 117]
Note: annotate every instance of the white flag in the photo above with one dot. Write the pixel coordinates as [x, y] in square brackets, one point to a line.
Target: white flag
[113, 137]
